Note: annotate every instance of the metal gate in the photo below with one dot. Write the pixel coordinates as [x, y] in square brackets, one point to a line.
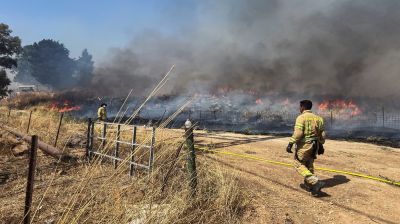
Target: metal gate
[110, 135]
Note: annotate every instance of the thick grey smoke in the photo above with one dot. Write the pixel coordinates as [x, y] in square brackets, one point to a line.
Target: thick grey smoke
[342, 48]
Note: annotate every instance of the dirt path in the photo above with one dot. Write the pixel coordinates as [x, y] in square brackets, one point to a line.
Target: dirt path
[278, 198]
[275, 195]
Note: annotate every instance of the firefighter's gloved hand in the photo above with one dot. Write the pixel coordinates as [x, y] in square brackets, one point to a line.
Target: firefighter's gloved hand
[289, 148]
[321, 149]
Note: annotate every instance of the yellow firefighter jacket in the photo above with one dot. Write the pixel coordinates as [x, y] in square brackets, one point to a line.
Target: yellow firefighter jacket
[102, 114]
[308, 127]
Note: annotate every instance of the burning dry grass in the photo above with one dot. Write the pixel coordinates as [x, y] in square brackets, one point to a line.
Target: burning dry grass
[96, 193]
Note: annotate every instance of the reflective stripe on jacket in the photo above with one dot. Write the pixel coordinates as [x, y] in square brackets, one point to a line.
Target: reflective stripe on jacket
[308, 127]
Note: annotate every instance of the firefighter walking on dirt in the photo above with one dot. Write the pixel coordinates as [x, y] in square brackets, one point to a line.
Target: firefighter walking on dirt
[102, 112]
[309, 137]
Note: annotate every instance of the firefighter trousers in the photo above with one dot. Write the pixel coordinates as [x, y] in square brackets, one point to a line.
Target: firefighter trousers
[304, 162]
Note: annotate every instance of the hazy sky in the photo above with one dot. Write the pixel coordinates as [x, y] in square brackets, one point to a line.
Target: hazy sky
[97, 25]
[277, 46]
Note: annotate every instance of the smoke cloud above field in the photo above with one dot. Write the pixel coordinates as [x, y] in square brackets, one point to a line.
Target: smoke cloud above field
[342, 48]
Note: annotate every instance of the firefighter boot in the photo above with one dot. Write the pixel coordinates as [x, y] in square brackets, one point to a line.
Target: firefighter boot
[316, 188]
[306, 186]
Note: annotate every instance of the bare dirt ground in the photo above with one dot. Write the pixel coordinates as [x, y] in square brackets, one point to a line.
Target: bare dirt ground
[278, 197]
[275, 194]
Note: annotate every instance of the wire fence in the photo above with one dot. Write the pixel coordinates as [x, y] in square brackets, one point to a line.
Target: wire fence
[250, 121]
[234, 120]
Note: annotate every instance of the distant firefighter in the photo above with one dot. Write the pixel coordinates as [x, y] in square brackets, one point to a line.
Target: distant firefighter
[102, 112]
[309, 137]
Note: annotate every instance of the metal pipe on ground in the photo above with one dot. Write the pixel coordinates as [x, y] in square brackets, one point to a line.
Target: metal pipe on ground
[46, 148]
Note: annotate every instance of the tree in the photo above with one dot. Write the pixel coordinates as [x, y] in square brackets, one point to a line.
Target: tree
[4, 83]
[49, 63]
[84, 68]
[10, 48]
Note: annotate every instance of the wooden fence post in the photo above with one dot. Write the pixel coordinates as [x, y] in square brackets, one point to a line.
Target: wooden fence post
[29, 122]
[31, 179]
[91, 139]
[58, 129]
[191, 157]
[88, 138]
[132, 166]
[116, 152]
[331, 119]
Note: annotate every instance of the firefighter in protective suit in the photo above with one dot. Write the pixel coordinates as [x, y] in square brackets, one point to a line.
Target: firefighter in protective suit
[102, 112]
[309, 137]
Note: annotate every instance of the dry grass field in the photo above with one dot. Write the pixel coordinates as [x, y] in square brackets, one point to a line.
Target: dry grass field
[230, 189]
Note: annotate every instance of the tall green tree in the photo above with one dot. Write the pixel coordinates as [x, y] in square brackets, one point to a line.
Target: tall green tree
[84, 68]
[10, 48]
[49, 63]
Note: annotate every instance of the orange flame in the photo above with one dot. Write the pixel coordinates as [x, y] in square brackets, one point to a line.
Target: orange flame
[340, 106]
[63, 107]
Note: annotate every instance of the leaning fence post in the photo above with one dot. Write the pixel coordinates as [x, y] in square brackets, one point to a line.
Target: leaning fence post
[191, 158]
[116, 152]
[88, 142]
[132, 166]
[58, 129]
[29, 122]
[153, 139]
[31, 179]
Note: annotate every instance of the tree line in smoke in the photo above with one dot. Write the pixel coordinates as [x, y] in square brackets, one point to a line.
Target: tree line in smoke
[46, 62]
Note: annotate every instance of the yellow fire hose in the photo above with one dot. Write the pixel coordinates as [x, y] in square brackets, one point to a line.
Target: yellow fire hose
[290, 165]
